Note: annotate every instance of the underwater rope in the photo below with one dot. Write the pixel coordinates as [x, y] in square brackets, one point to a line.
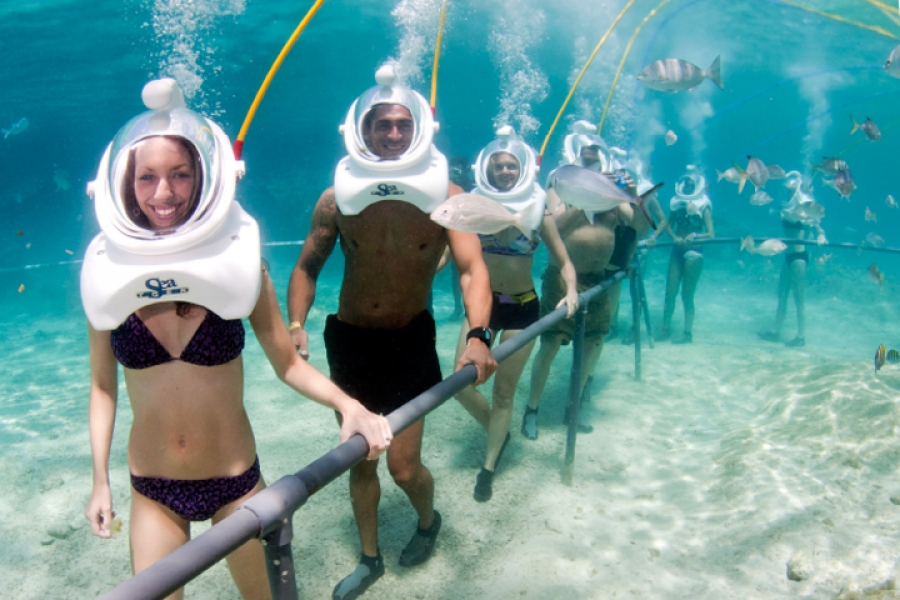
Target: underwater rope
[239, 141]
[874, 28]
[622, 63]
[562, 109]
[437, 59]
[788, 241]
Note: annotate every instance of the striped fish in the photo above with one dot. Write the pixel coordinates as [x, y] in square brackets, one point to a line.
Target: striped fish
[893, 357]
[672, 75]
[880, 357]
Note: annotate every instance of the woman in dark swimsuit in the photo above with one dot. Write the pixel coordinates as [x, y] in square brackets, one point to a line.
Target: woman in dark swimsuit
[509, 256]
[690, 221]
[191, 452]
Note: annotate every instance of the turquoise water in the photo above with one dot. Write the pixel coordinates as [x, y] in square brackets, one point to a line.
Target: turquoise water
[702, 481]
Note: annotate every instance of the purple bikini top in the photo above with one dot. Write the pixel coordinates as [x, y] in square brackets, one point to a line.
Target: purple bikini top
[215, 342]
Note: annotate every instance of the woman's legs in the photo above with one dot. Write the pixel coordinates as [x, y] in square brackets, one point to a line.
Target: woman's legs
[248, 563]
[798, 284]
[693, 267]
[155, 532]
[506, 380]
[673, 282]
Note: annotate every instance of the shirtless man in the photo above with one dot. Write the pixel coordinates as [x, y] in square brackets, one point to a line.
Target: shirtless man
[590, 247]
[381, 342]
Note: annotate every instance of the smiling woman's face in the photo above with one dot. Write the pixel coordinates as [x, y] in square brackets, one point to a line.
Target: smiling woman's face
[165, 181]
[504, 171]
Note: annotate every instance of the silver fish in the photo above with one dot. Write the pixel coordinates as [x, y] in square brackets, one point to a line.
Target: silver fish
[757, 172]
[868, 127]
[588, 190]
[673, 75]
[874, 239]
[760, 198]
[891, 202]
[831, 166]
[892, 64]
[776, 172]
[671, 138]
[473, 213]
[731, 175]
[843, 183]
[17, 127]
[766, 248]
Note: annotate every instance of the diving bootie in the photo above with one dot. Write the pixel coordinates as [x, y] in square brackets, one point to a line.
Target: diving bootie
[369, 570]
[768, 336]
[796, 342]
[688, 338]
[420, 547]
[529, 423]
[484, 485]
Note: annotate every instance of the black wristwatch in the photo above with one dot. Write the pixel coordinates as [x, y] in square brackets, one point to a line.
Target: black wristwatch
[480, 333]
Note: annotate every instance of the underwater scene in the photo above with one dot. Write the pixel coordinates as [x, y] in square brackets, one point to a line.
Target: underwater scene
[756, 455]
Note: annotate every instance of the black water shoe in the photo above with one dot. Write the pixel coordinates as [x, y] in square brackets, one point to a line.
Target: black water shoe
[420, 547]
[529, 423]
[369, 570]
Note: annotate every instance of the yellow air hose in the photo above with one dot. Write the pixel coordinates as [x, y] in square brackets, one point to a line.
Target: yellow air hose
[437, 59]
[239, 142]
[578, 79]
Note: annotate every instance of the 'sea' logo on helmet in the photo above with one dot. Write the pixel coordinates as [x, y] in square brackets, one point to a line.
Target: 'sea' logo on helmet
[387, 190]
[157, 288]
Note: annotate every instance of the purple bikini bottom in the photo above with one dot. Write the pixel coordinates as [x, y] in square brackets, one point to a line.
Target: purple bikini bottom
[197, 499]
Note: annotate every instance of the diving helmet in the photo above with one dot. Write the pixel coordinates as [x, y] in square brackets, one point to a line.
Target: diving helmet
[116, 208]
[584, 135]
[389, 92]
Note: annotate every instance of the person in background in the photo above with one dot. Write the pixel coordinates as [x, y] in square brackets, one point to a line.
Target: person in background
[690, 216]
[590, 242]
[800, 219]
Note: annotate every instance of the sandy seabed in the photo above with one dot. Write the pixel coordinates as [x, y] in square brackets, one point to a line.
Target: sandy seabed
[731, 463]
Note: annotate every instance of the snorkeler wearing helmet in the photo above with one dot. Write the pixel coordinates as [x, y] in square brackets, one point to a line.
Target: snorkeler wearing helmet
[690, 216]
[381, 343]
[800, 219]
[505, 171]
[590, 240]
[165, 286]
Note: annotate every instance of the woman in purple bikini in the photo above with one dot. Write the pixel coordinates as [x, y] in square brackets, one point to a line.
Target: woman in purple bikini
[191, 451]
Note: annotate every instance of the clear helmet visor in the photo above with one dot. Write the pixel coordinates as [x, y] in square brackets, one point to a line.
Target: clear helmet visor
[176, 146]
[690, 186]
[522, 153]
[365, 113]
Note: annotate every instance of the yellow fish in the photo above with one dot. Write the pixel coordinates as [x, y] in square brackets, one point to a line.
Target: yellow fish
[880, 357]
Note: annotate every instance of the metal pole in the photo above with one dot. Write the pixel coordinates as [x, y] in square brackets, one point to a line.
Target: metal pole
[646, 308]
[280, 561]
[575, 394]
[636, 319]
